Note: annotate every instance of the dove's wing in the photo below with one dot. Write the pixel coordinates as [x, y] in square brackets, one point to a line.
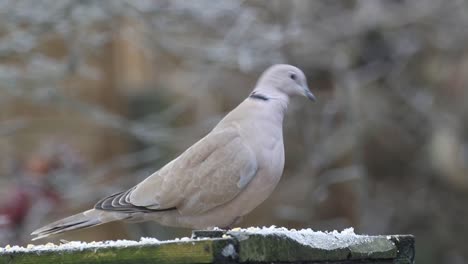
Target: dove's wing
[208, 174]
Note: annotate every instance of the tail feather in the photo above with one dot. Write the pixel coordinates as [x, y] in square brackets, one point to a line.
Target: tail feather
[79, 221]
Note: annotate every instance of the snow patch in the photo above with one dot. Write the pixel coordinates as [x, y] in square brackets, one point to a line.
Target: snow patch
[317, 239]
[78, 245]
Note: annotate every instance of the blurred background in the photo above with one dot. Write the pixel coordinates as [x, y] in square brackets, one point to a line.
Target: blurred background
[96, 95]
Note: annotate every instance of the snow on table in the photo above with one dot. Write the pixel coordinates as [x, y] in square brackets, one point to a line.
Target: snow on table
[317, 239]
[305, 244]
[78, 245]
[266, 244]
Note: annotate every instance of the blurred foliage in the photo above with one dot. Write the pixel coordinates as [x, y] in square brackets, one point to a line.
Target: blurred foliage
[108, 91]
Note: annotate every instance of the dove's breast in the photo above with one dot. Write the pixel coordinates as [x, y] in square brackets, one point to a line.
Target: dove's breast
[267, 144]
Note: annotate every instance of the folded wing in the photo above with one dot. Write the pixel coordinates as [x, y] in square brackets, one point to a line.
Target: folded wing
[210, 173]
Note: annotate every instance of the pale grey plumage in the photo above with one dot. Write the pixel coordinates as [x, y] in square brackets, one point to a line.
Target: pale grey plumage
[220, 178]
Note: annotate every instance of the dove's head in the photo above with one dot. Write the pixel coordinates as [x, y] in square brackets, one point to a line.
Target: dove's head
[284, 79]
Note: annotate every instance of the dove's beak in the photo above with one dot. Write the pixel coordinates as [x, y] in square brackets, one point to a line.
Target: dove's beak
[310, 95]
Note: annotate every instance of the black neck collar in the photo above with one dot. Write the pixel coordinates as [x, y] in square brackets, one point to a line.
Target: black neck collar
[257, 96]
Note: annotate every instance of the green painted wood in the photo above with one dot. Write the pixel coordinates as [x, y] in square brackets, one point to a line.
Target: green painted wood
[202, 251]
[237, 247]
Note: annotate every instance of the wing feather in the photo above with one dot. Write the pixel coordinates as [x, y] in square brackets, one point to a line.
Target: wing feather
[210, 173]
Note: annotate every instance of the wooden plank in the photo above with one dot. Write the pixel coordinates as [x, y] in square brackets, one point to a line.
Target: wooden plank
[317, 246]
[241, 246]
[195, 251]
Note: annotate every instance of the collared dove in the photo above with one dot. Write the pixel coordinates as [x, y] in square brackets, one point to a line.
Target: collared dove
[220, 178]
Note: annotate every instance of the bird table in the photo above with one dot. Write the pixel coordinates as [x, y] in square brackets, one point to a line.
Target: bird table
[251, 245]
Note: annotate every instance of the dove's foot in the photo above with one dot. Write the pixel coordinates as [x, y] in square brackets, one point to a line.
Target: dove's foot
[233, 224]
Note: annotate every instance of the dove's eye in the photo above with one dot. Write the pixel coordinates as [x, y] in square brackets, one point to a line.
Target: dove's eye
[293, 76]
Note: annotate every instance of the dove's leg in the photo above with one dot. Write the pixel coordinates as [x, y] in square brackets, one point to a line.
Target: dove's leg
[234, 223]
